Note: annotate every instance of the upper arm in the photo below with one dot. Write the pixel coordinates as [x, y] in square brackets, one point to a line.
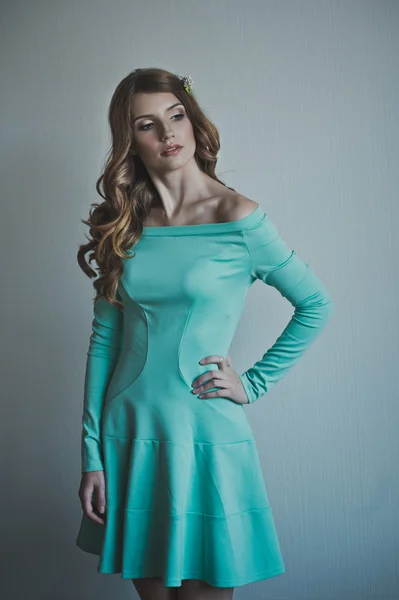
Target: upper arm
[107, 328]
[275, 262]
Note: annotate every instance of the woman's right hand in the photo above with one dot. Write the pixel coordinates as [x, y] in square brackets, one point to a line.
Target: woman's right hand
[92, 495]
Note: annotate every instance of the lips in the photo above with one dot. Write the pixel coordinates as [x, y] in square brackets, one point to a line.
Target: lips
[174, 147]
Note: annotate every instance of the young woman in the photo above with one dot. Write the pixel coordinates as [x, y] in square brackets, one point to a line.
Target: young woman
[172, 490]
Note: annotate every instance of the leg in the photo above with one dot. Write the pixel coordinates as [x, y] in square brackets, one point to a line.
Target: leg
[153, 588]
[195, 589]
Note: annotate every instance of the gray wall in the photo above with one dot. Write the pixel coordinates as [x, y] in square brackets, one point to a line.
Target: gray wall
[305, 95]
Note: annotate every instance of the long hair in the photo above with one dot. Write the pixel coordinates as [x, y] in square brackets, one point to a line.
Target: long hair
[116, 224]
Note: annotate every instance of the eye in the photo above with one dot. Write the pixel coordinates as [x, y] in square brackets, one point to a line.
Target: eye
[146, 127]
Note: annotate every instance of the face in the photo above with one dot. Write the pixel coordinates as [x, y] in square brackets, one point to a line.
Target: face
[163, 126]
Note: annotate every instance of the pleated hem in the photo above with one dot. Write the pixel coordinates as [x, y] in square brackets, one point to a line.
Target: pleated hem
[218, 583]
[243, 547]
[178, 582]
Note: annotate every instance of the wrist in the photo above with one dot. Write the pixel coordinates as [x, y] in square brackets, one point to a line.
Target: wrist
[247, 387]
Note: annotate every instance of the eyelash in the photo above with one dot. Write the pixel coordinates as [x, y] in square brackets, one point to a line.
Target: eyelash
[144, 127]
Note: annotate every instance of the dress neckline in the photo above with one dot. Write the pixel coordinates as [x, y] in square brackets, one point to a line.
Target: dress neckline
[163, 230]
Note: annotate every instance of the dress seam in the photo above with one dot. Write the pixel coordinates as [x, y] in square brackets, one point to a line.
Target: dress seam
[192, 512]
[126, 437]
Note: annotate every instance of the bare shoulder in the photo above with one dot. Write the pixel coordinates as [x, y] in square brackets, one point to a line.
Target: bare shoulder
[236, 206]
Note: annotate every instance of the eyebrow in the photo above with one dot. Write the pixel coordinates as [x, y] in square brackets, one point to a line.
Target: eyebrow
[167, 110]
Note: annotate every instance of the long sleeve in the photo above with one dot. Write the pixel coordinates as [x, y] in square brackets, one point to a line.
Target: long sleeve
[102, 355]
[273, 261]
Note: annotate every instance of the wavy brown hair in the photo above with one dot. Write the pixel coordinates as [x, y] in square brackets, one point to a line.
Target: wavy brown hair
[116, 224]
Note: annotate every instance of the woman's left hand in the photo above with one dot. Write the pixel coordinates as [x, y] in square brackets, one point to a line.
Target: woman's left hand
[225, 378]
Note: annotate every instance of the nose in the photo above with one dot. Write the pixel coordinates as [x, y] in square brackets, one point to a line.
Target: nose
[166, 133]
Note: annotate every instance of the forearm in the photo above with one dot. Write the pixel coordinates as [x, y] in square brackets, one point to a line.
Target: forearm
[304, 327]
[99, 371]
[313, 309]
[102, 357]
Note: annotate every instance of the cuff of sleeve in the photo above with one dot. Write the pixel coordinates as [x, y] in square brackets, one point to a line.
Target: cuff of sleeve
[92, 465]
[248, 388]
[91, 453]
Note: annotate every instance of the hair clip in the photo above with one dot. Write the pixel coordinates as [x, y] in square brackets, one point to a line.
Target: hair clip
[187, 82]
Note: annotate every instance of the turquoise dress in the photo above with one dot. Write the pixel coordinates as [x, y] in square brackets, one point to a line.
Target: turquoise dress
[185, 493]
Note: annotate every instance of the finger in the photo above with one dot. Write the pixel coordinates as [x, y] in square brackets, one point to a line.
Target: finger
[229, 362]
[209, 375]
[92, 514]
[214, 358]
[223, 385]
[221, 392]
[221, 361]
[100, 498]
[88, 507]
[215, 382]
